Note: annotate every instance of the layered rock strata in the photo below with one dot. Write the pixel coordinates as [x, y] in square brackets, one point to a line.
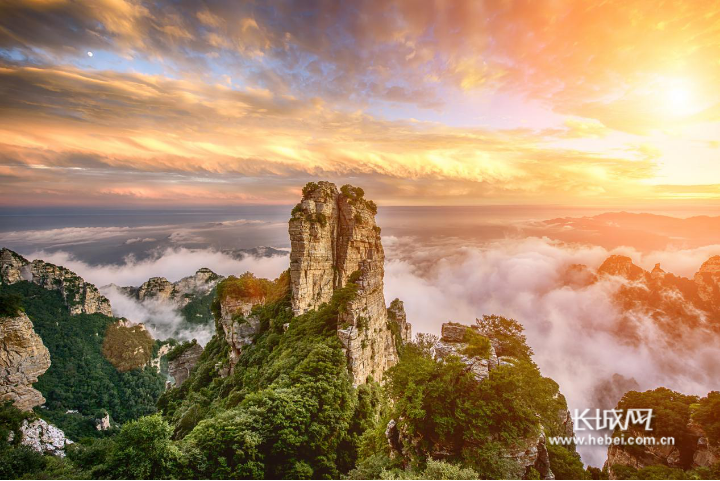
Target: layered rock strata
[335, 242]
[23, 358]
[180, 367]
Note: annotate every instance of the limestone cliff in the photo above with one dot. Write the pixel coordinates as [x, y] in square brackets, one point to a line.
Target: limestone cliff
[334, 241]
[180, 367]
[236, 297]
[81, 297]
[44, 438]
[707, 280]
[23, 357]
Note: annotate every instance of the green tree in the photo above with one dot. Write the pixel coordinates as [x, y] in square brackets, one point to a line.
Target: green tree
[143, 450]
[508, 334]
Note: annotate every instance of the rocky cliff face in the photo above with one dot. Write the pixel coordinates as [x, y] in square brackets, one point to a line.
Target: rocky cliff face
[81, 297]
[707, 280]
[453, 343]
[702, 455]
[180, 367]
[238, 325]
[676, 304]
[335, 241]
[23, 357]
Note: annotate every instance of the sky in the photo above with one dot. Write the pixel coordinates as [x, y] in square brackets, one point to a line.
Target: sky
[182, 103]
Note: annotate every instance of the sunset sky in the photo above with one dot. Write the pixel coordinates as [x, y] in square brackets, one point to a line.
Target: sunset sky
[123, 102]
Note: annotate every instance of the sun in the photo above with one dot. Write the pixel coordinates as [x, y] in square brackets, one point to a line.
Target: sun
[678, 97]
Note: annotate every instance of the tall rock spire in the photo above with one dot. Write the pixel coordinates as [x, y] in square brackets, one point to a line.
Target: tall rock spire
[334, 239]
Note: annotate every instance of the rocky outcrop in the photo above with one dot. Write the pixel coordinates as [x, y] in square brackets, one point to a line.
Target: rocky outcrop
[103, 423]
[81, 297]
[621, 266]
[239, 327]
[13, 267]
[396, 314]
[180, 293]
[695, 452]
[180, 367]
[44, 438]
[677, 305]
[335, 242]
[707, 281]
[23, 357]
[453, 343]
[157, 288]
[478, 351]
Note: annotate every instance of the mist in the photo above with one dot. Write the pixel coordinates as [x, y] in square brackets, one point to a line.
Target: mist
[573, 330]
[163, 319]
[171, 263]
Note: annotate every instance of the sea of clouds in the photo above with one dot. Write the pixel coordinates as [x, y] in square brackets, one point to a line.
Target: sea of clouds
[572, 329]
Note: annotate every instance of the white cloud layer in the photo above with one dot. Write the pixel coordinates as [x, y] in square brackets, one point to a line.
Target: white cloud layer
[171, 263]
[571, 330]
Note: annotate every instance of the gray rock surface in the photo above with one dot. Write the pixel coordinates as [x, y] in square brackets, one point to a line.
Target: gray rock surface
[80, 297]
[23, 357]
[180, 367]
[43, 437]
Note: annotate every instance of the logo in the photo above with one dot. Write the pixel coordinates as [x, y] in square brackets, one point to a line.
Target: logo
[611, 419]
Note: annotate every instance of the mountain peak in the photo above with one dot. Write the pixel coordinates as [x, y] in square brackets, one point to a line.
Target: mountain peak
[80, 297]
[335, 242]
[618, 265]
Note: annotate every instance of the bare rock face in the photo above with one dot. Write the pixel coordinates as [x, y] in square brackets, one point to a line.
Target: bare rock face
[180, 367]
[179, 293]
[44, 438]
[103, 424]
[81, 297]
[621, 266]
[23, 357]
[239, 327]
[335, 241]
[707, 280]
[396, 314]
[13, 267]
[452, 343]
[313, 237]
[156, 287]
[703, 454]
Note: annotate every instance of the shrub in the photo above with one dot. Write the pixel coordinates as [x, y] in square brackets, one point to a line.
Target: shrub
[707, 414]
[143, 450]
[478, 345]
[309, 188]
[10, 305]
[508, 333]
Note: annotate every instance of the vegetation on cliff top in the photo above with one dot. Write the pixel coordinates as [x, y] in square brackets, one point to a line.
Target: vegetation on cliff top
[440, 407]
[673, 416]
